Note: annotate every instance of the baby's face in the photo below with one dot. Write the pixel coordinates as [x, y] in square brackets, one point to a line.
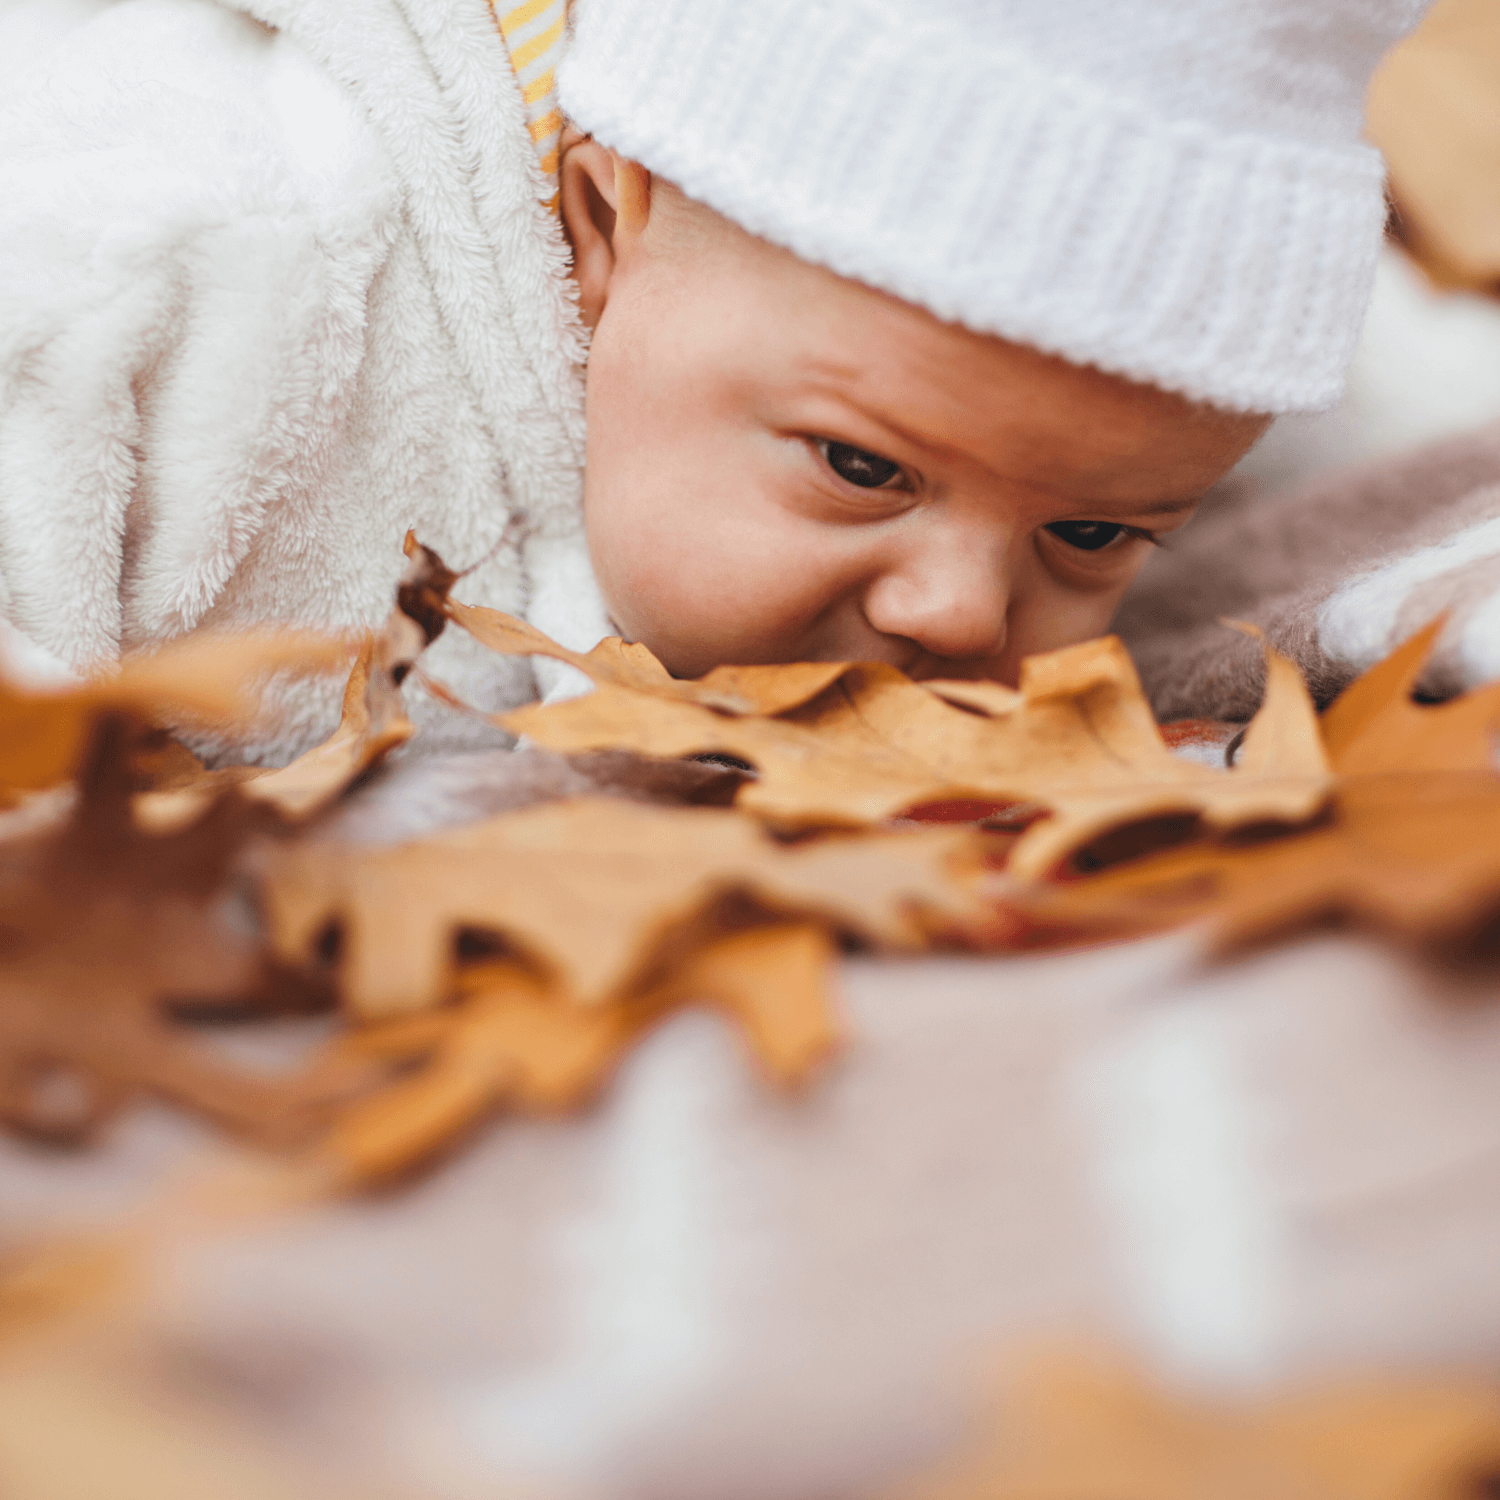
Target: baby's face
[784, 465]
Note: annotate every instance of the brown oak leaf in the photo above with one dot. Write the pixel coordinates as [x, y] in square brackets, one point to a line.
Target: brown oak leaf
[208, 678]
[1411, 846]
[1434, 112]
[1375, 725]
[102, 926]
[372, 724]
[512, 1039]
[844, 744]
[599, 895]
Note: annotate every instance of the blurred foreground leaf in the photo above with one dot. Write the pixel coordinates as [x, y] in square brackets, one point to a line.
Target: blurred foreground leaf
[1081, 1427]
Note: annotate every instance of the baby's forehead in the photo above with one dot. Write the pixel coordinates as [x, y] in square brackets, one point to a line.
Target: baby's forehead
[846, 338]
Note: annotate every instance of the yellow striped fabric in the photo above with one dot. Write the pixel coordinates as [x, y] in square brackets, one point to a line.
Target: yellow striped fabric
[534, 32]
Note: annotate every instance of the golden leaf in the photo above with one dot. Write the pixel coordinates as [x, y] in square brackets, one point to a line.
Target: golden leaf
[1412, 847]
[1078, 740]
[512, 1039]
[1075, 1426]
[1434, 112]
[1375, 726]
[105, 924]
[594, 894]
[208, 678]
[372, 724]
[622, 664]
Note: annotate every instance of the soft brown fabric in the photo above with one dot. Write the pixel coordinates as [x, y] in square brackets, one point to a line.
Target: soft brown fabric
[1274, 560]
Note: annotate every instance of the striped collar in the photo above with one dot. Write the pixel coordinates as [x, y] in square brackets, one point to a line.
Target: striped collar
[534, 33]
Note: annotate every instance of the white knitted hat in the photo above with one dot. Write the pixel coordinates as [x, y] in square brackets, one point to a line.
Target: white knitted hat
[1172, 190]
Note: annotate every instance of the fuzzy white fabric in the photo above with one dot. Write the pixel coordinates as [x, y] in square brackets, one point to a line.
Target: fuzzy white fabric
[1172, 190]
[1360, 622]
[277, 283]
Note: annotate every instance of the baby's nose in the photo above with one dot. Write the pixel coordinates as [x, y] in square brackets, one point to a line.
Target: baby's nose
[951, 608]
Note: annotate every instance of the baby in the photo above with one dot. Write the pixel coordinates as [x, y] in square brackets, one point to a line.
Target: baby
[785, 465]
[757, 331]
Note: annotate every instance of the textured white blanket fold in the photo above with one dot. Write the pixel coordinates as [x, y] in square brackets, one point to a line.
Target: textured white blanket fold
[276, 283]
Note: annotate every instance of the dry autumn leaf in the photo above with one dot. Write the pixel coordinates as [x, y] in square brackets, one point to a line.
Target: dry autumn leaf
[511, 1039]
[1375, 725]
[842, 745]
[207, 678]
[507, 1040]
[1074, 1426]
[372, 724]
[105, 925]
[604, 910]
[622, 664]
[149, 894]
[135, 902]
[598, 895]
[1414, 856]
[1434, 111]
[1412, 846]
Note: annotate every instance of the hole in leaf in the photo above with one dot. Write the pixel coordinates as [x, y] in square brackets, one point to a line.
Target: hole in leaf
[958, 810]
[477, 945]
[1261, 833]
[328, 946]
[1016, 818]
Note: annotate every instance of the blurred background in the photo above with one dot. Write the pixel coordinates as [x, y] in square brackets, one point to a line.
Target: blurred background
[1429, 362]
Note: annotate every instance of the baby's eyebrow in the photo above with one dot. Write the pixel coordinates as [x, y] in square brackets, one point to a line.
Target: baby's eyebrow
[1162, 507]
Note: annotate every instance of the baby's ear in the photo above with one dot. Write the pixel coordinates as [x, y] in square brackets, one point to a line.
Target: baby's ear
[605, 202]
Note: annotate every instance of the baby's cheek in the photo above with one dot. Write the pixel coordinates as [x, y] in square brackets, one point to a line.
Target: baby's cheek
[661, 570]
[627, 562]
[1047, 617]
[702, 583]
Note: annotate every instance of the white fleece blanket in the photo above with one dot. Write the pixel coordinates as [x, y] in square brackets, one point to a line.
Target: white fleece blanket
[276, 284]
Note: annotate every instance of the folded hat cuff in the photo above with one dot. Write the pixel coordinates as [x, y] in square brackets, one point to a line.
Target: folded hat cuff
[1232, 268]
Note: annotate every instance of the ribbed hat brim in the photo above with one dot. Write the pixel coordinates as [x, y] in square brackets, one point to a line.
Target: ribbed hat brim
[1232, 268]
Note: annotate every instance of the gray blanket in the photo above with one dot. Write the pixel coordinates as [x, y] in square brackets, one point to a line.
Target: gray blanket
[1337, 571]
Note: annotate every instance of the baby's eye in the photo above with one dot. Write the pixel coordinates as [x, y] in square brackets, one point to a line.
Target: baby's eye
[858, 465]
[1088, 536]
